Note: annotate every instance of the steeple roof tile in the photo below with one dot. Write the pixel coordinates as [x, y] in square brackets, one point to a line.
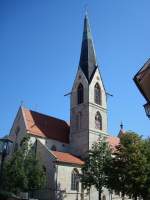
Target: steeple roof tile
[87, 61]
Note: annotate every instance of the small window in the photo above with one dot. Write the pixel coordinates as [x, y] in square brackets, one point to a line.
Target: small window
[80, 94]
[104, 197]
[75, 180]
[53, 148]
[79, 120]
[97, 94]
[44, 169]
[17, 131]
[98, 121]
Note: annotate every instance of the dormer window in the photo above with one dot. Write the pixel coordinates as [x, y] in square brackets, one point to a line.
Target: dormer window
[97, 94]
[80, 94]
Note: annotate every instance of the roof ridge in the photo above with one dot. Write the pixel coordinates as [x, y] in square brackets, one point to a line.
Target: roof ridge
[23, 108]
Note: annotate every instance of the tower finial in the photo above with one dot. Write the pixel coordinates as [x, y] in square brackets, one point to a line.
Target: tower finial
[21, 103]
[121, 125]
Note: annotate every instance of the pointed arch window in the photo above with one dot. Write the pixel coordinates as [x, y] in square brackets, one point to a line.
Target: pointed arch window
[98, 121]
[75, 180]
[97, 94]
[80, 94]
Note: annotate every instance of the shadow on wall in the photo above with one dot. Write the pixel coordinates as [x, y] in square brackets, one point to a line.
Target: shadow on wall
[61, 194]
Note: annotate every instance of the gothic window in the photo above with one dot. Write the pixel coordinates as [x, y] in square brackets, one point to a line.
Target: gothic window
[98, 121]
[75, 180]
[80, 94]
[97, 94]
[53, 148]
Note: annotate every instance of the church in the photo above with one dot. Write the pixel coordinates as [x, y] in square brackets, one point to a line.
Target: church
[61, 146]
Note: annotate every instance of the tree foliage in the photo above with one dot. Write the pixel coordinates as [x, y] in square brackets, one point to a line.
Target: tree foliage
[129, 171]
[23, 172]
[93, 173]
[125, 170]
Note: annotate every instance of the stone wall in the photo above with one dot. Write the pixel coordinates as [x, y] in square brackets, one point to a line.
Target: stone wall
[18, 130]
[47, 161]
[79, 132]
[64, 182]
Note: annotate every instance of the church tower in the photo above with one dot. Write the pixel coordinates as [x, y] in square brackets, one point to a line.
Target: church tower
[88, 109]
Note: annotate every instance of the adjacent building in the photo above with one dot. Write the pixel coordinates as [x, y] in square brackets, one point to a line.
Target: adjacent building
[142, 80]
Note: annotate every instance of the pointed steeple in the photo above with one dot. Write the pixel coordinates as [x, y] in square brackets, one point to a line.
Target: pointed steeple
[122, 131]
[87, 58]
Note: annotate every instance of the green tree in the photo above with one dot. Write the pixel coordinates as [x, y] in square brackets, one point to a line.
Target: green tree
[22, 172]
[126, 173]
[145, 190]
[93, 170]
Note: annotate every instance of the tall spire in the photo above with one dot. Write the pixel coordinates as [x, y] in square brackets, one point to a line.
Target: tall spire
[87, 58]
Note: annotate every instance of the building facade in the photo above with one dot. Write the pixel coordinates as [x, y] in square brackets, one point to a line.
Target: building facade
[62, 147]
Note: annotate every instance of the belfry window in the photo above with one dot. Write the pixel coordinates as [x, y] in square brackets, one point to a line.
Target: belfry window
[98, 121]
[80, 94]
[75, 180]
[97, 94]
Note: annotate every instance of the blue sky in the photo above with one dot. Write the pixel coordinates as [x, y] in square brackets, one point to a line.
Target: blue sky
[40, 43]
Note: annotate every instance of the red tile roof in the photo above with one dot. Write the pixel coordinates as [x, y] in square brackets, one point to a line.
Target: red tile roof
[46, 126]
[113, 141]
[67, 158]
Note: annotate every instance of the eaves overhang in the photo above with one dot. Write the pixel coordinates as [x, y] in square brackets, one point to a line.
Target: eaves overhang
[139, 80]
